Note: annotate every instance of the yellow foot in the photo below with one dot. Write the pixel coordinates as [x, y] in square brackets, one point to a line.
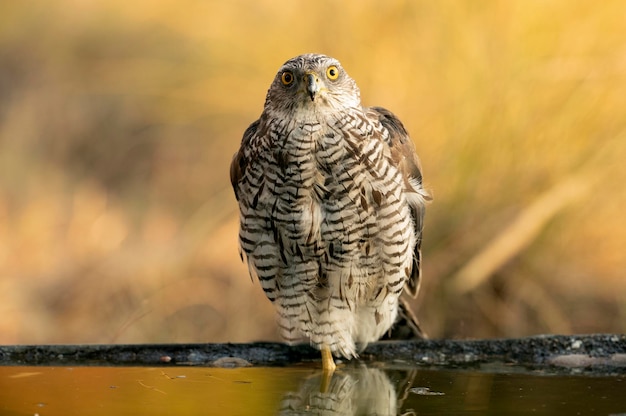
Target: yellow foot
[328, 368]
[328, 365]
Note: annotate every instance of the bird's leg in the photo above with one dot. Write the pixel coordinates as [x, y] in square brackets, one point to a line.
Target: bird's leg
[328, 368]
[328, 364]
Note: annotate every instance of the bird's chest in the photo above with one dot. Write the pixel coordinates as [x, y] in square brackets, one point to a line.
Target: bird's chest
[316, 158]
[320, 181]
[293, 166]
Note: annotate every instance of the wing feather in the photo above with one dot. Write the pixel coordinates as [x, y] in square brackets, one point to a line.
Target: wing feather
[406, 160]
[240, 161]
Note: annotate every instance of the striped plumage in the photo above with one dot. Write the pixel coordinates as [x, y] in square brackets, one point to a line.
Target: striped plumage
[331, 207]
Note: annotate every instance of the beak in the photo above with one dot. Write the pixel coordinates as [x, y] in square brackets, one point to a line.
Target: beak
[312, 84]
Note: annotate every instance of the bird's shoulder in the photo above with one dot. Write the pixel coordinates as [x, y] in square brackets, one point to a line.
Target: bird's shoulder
[401, 146]
[243, 156]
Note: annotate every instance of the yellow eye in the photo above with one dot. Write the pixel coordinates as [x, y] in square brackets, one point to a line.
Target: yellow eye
[332, 72]
[287, 78]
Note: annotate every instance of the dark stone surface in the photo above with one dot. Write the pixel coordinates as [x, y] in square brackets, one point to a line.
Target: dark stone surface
[585, 354]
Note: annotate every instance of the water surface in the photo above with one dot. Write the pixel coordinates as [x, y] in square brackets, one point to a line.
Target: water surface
[354, 390]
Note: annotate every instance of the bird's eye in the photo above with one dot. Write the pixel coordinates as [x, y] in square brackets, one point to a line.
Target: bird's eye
[287, 78]
[332, 72]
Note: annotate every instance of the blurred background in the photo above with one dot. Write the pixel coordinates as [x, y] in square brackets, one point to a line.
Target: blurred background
[118, 121]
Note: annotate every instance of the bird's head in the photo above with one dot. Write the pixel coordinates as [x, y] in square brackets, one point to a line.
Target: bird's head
[313, 81]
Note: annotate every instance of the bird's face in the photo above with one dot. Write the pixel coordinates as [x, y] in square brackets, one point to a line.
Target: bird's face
[313, 82]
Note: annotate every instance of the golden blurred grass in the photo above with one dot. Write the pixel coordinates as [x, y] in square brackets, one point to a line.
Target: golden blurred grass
[118, 121]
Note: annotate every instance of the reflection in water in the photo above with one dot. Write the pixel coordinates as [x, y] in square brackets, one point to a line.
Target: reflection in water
[355, 391]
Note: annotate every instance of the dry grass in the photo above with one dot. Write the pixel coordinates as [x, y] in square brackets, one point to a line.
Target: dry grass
[118, 120]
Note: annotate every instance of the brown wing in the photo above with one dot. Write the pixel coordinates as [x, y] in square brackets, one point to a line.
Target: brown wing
[240, 162]
[405, 158]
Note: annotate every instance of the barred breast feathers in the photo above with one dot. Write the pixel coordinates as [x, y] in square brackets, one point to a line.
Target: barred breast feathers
[401, 150]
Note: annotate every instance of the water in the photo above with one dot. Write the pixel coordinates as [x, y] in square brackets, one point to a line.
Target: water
[352, 390]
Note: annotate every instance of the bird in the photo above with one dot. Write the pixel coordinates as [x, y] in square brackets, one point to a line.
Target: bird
[331, 209]
[357, 391]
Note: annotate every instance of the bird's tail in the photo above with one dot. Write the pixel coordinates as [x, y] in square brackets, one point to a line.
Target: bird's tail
[407, 326]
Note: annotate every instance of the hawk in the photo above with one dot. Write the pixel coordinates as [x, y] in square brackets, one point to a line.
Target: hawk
[331, 208]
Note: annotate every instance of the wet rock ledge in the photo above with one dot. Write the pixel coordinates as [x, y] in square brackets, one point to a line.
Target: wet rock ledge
[595, 354]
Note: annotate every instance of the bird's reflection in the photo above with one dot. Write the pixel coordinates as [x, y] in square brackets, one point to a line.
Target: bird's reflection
[351, 391]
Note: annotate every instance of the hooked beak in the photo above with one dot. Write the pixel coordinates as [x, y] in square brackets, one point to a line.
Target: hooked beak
[312, 84]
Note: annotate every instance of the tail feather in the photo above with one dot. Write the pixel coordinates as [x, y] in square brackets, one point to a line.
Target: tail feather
[406, 327]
